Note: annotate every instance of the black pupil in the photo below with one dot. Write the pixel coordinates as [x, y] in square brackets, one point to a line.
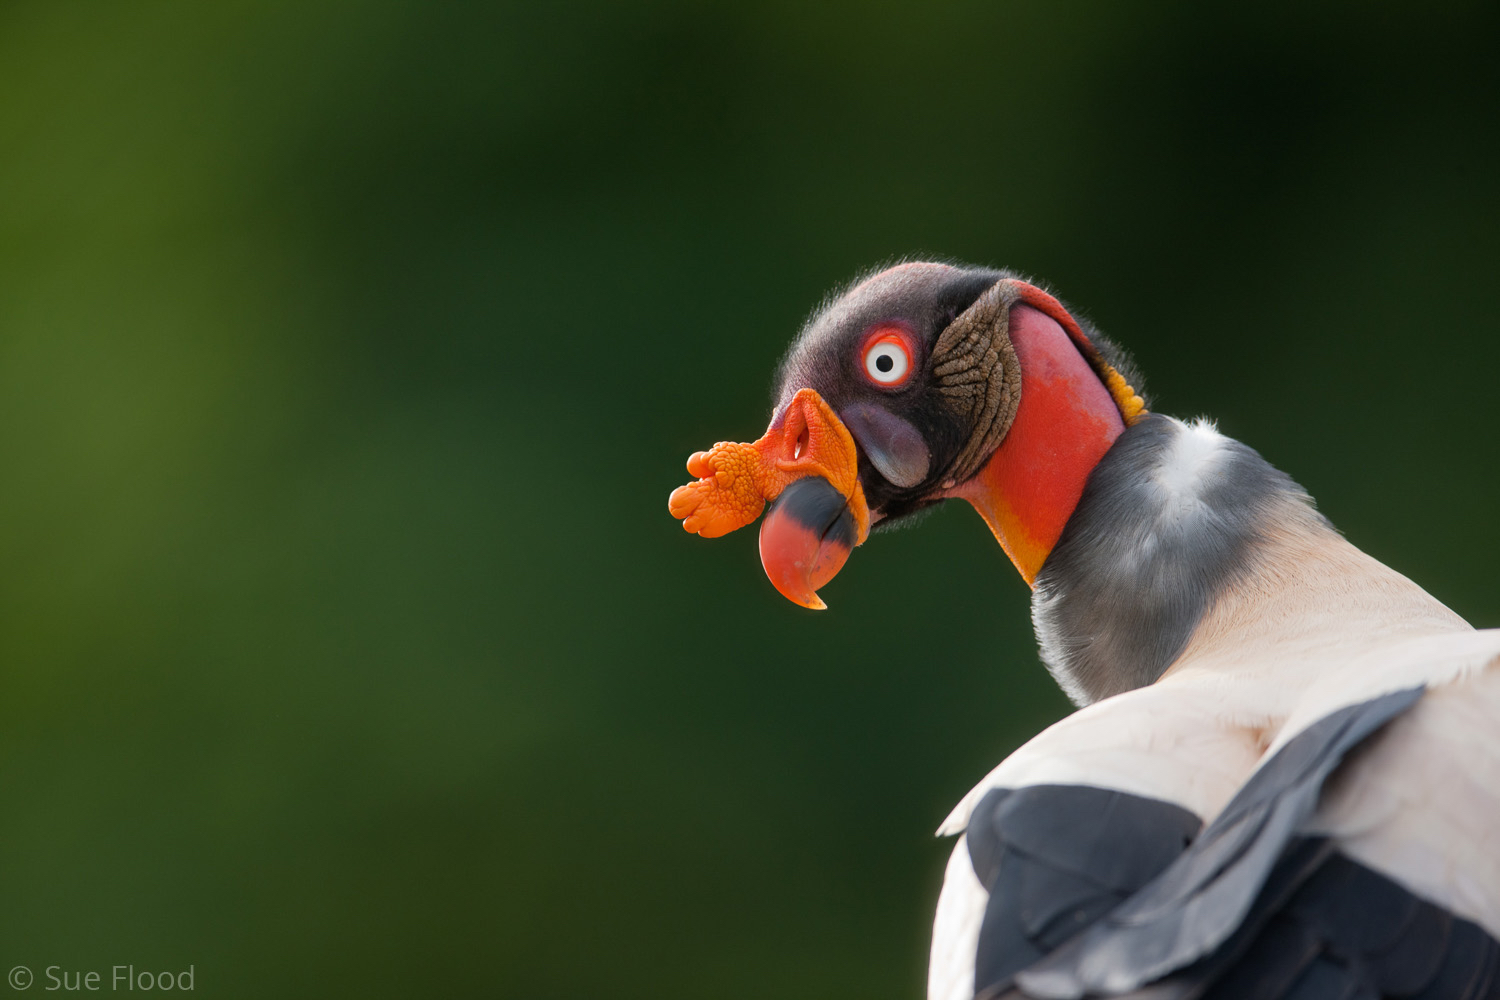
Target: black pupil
[885, 362]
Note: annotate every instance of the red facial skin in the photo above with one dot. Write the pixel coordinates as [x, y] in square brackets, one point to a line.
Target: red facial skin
[1066, 421]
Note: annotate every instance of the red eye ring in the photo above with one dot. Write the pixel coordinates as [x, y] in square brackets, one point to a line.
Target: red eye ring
[888, 357]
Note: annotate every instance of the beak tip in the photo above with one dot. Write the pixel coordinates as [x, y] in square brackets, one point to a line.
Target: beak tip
[803, 596]
[793, 585]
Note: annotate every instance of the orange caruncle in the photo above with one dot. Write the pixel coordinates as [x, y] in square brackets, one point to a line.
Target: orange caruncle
[735, 480]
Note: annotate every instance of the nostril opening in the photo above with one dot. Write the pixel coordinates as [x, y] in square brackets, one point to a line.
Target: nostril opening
[801, 445]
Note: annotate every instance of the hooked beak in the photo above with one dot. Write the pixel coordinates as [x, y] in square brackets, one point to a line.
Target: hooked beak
[806, 538]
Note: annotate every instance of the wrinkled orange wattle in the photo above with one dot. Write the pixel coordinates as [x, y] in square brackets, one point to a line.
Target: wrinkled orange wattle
[736, 480]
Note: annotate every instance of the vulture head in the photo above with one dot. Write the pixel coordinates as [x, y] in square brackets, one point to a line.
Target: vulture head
[919, 383]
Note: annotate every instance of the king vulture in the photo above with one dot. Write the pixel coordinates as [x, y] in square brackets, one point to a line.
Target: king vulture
[1283, 779]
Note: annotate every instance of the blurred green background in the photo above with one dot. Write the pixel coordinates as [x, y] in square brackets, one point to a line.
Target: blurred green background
[348, 353]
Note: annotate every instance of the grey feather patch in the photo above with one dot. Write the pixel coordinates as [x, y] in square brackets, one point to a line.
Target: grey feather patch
[1154, 540]
[1201, 899]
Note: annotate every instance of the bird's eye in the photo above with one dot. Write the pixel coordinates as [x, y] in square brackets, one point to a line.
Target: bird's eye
[888, 358]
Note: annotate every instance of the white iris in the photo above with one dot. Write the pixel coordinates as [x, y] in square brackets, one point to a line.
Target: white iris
[886, 363]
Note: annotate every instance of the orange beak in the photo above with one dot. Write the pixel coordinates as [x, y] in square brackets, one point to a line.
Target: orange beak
[806, 465]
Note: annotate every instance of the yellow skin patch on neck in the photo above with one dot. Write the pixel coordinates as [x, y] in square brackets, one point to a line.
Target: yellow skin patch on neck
[736, 480]
[1132, 406]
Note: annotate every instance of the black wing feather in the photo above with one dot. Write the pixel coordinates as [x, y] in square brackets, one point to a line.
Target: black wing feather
[1202, 898]
[1055, 860]
[1091, 888]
